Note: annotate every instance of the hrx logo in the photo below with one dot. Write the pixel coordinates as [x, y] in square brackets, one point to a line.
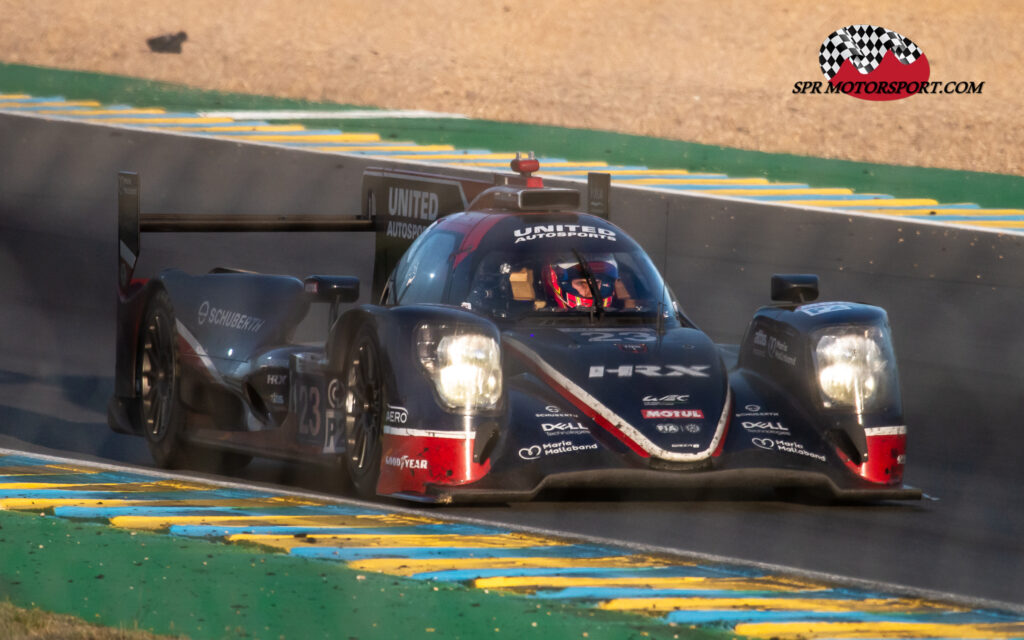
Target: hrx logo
[650, 370]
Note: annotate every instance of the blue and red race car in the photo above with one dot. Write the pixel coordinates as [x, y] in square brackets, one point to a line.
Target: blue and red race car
[515, 344]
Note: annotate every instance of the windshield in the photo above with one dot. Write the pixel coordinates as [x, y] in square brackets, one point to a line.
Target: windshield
[522, 282]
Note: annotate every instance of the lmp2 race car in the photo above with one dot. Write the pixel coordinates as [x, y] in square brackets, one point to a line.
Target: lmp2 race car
[514, 344]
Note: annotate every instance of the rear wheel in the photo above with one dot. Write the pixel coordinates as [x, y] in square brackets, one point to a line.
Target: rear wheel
[364, 412]
[161, 412]
[158, 372]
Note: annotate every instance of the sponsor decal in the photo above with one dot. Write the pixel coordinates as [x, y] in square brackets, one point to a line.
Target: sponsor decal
[821, 308]
[228, 319]
[769, 426]
[685, 414]
[650, 370]
[405, 462]
[412, 203]
[566, 428]
[787, 446]
[632, 348]
[779, 350]
[276, 379]
[553, 411]
[692, 428]
[667, 428]
[553, 449]
[276, 398]
[761, 338]
[684, 445]
[396, 415]
[404, 230]
[670, 399]
[755, 411]
[562, 231]
[334, 393]
[531, 453]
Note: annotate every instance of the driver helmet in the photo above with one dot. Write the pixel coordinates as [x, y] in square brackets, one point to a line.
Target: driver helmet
[568, 282]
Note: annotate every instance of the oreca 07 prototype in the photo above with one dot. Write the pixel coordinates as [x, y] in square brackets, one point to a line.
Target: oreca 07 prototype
[514, 343]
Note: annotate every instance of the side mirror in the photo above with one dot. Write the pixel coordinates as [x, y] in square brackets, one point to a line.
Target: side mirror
[794, 288]
[332, 288]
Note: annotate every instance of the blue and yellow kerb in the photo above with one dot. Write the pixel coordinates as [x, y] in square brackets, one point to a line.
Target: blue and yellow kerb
[747, 601]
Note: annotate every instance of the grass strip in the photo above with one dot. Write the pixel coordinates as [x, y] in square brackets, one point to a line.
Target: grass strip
[167, 585]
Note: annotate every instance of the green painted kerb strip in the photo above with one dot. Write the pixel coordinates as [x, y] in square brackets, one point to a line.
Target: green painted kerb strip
[208, 590]
[990, 190]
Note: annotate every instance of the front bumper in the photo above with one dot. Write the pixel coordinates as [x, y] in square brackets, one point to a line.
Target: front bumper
[724, 480]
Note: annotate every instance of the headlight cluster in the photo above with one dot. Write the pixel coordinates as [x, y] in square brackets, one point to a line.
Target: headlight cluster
[465, 367]
[854, 366]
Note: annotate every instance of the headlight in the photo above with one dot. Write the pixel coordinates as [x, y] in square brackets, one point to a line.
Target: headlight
[854, 367]
[465, 368]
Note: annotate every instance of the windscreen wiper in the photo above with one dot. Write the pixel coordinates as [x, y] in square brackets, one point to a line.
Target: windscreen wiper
[595, 292]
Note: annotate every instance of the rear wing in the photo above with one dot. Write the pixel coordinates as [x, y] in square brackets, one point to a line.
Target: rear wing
[132, 221]
[397, 205]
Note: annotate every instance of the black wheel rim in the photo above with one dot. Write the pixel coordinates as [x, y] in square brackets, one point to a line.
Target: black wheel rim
[156, 376]
[363, 401]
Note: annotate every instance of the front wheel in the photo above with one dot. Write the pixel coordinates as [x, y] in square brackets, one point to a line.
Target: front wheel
[364, 412]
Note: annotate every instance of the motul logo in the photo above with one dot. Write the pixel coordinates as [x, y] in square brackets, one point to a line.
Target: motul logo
[673, 413]
[650, 370]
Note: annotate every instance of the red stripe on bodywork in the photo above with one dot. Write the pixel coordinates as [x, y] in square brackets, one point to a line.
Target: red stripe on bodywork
[585, 408]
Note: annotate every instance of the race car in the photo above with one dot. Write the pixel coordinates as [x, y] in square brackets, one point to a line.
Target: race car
[515, 344]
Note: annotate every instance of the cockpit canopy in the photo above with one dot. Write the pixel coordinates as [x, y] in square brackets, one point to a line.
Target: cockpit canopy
[534, 265]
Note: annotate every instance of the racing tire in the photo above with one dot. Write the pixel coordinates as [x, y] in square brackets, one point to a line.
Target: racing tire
[364, 412]
[161, 414]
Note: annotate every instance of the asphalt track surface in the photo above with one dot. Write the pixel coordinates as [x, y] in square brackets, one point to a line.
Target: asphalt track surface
[965, 413]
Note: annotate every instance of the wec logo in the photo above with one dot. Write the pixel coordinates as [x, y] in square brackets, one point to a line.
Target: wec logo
[672, 398]
[650, 370]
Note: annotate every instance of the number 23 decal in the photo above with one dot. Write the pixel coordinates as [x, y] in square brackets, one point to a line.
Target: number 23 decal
[618, 336]
[308, 404]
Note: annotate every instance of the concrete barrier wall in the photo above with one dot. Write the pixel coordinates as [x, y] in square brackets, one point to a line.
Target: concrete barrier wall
[954, 296]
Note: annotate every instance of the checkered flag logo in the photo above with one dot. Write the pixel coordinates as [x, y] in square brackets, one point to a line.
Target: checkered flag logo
[864, 45]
